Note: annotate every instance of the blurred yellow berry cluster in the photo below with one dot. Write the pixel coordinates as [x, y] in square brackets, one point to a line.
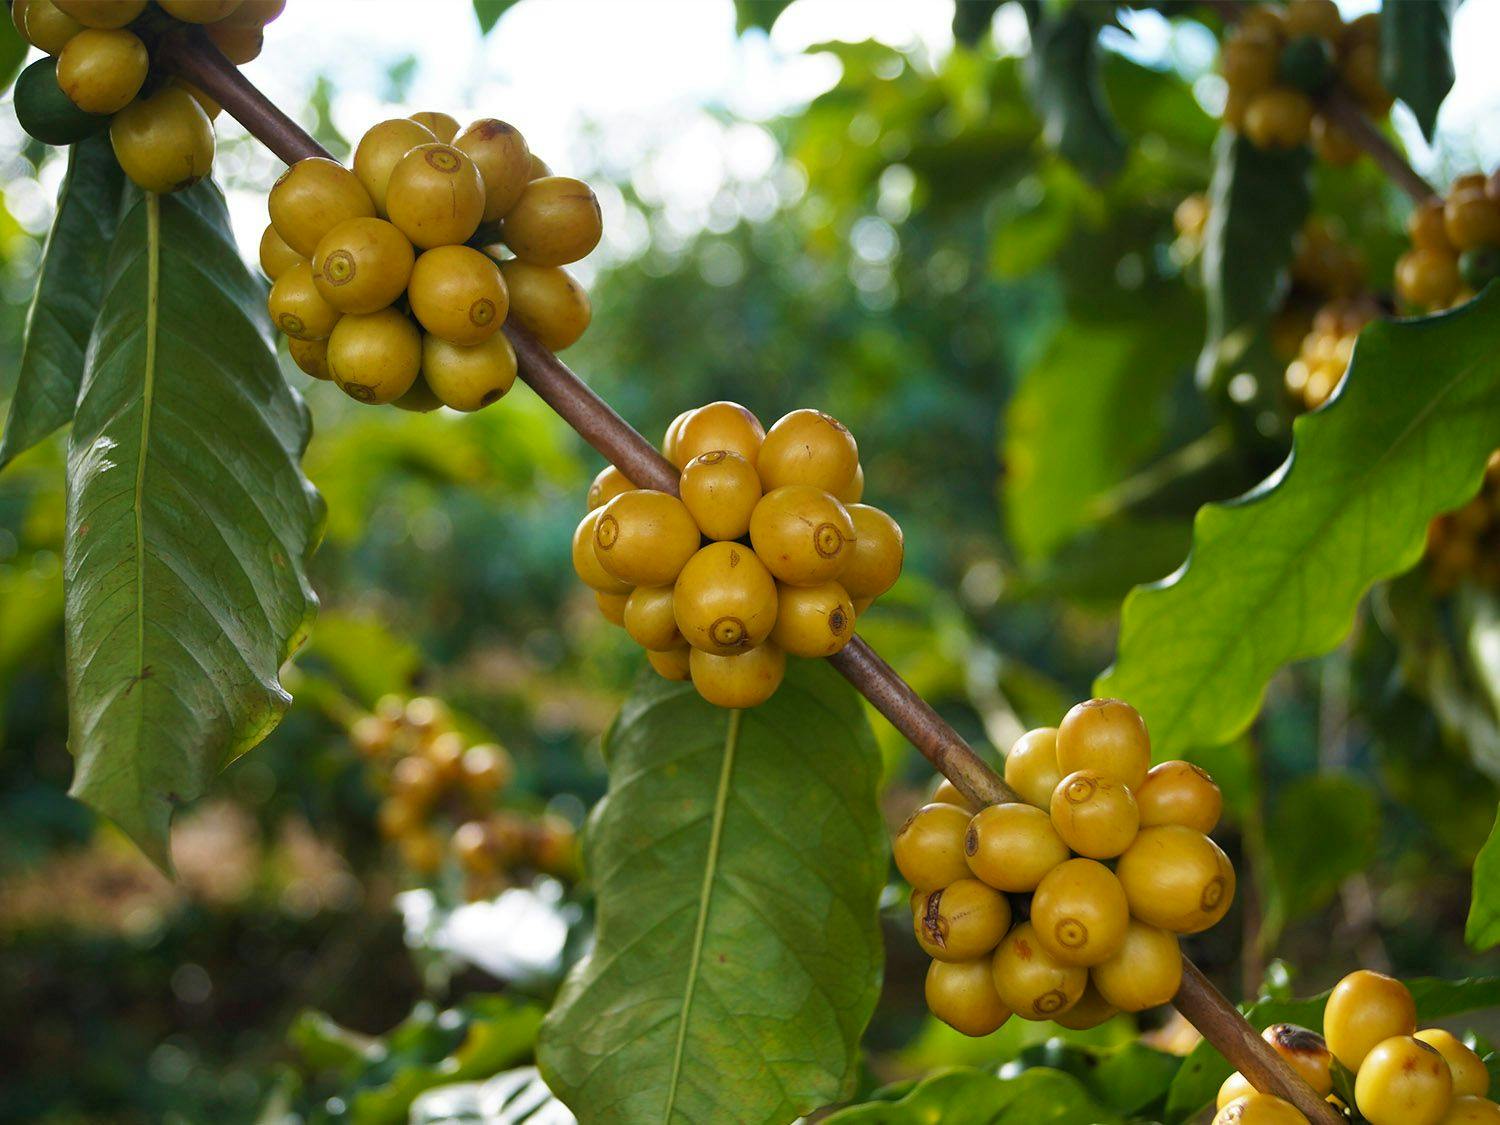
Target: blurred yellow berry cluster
[1455, 245]
[1323, 357]
[1465, 543]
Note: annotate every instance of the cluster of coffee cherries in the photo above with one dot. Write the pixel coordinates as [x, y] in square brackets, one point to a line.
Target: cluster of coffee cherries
[1066, 906]
[1323, 358]
[1465, 543]
[1371, 1050]
[378, 281]
[98, 74]
[1280, 62]
[766, 551]
[440, 796]
[1455, 245]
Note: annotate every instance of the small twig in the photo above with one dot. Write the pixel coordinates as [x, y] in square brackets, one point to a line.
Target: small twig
[1352, 121]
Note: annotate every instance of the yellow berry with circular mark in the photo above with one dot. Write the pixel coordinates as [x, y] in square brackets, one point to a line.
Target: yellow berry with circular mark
[878, 553]
[1259, 1109]
[744, 680]
[1235, 1086]
[808, 447]
[375, 357]
[1469, 1073]
[1470, 1110]
[276, 257]
[556, 221]
[608, 484]
[813, 621]
[962, 994]
[929, 847]
[673, 664]
[947, 793]
[725, 599]
[803, 535]
[468, 378]
[164, 143]
[101, 71]
[311, 356]
[612, 606]
[721, 489]
[435, 195]
[1305, 1051]
[1144, 972]
[651, 620]
[1031, 767]
[1091, 1010]
[717, 426]
[1179, 793]
[1107, 736]
[504, 163]
[1095, 815]
[1428, 278]
[1031, 982]
[362, 265]
[645, 537]
[1177, 879]
[379, 150]
[1079, 912]
[1403, 1081]
[311, 198]
[961, 921]
[1363, 1009]
[1011, 847]
[548, 302]
[297, 308]
[457, 293]
[199, 11]
[1470, 217]
[102, 13]
[1278, 118]
[443, 126]
[47, 26]
[586, 560]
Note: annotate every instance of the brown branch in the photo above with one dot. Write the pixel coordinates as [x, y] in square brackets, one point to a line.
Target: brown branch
[1352, 121]
[1204, 1006]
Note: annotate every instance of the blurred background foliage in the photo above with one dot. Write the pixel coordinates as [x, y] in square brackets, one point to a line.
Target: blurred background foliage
[1013, 343]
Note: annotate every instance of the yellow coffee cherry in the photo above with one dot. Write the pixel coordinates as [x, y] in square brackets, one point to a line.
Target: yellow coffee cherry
[673, 664]
[164, 143]
[962, 994]
[1011, 847]
[645, 537]
[1107, 736]
[1363, 1009]
[929, 847]
[102, 13]
[1470, 218]
[650, 619]
[854, 491]
[468, 378]
[1427, 227]
[422, 851]
[1428, 278]
[1259, 1109]
[1090, 1011]
[813, 621]
[808, 447]
[382, 146]
[474, 847]
[612, 606]
[1031, 982]
[297, 308]
[802, 534]
[239, 45]
[737, 682]
[539, 167]
[375, 357]
[47, 26]
[418, 398]
[362, 265]
[608, 484]
[1359, 70]
[556, 221]
[311, 356]
[210, 107]
[1248, 62]
[442, 125]
[1176, 878]
[254, 13]
[719, 426]
[879, 550]
[435, 195]
[18, 18]
[1031, 767]
[1179, 793]
[457, 293]
[276, 257]
[311, 198]
[1235, 1086]
[486, 769]
[1144, 972]
[548, 302]
[101, 71]
[586, 560]
[1469, 1110]
[947, 793]
[1079, 913]
[721, 489]
[961, 921]
[1331, 144]
[725, 599]
[1278, 118]
[1403, 1081]
[1095, 815]
[199, 11]
[1469, 1073]
[1314, 17]
[504, 163]
[1305, 1051]
[669, 439]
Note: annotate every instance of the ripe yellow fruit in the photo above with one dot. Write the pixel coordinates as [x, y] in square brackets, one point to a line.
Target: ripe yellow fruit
[854, 491]
[504, 163]
[1144, 972]
[1177, 879]
[47, 26]
[556, 221]
[1235, 1086]
[1091, 1010]
[645, 537]
[1278, 118]
[1362, 1010]
[1259, 1109]
[725, 598]
[808, 447]
[311, 356]
[1011, 847]
[1469, 1073]
[1248, 62]
[1470, 1110]
[297, 308]
[1427, 227]
[1031, 982]
[362, 265]
[199, 11]
[1403, 1081]
[380, 148]
[210, 107]
[878, 552]
[1314, 17]
[802, 534]
[102, 13]
[1428, 278]
[1470, 217]
[468, 378]
[375, 357]
[719, 426]
[276, 257]
[929, 847]
[254, 13]
[548, 302]
[435, 195]
[457, 293]
[962, 994]
[239, 45]
[1095, 815]
[1031, 767]
[1179, 793]
[650, 620]
[947, 793]
[1107, 736]
[1080, 914]
[419, 398]
[442, 125]
[311, 198]
[669, 439]
[612, 606]
[164, 143]
[813, 621]
[721, 489]
[673, 664]
[1305, 1051]
[961, 921]
[486, 769]
[539, 167]
[586, 561]
[101, 71]
[608, 484]
[745, 680]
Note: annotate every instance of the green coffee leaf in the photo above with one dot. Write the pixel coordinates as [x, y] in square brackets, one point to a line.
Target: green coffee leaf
[1482, 931]
[1416, 55]
[1034, 1097]
[189, 520]
[488, 13]
[738, 860]
[1062, 73]
[1275, 576]
[68, 291]
[757, 14]
[1322, 829]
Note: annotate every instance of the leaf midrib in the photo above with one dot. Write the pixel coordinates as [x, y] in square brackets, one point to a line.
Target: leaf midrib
[148, 395]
